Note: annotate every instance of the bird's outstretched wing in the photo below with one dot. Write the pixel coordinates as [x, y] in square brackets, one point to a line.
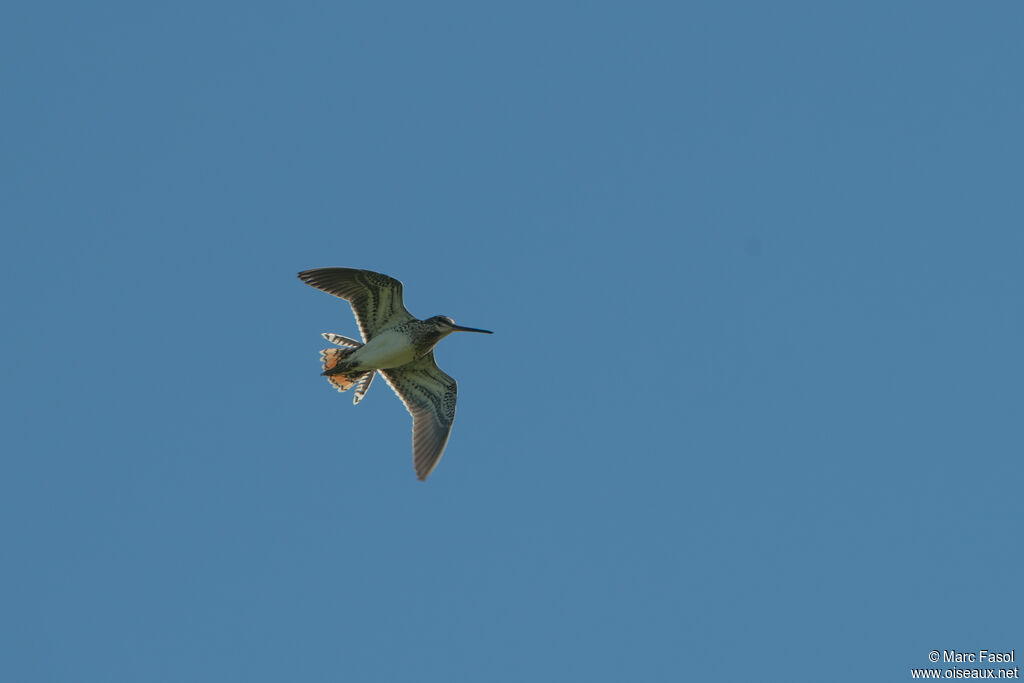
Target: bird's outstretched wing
[376, 299]
[429, 396]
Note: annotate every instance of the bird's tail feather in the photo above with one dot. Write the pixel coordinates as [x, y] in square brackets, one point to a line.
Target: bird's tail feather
[340, 376]
[362, 385]
[339, 340]
[335, 360]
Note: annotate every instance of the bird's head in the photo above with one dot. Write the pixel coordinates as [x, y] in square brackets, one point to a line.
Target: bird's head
[445, 326]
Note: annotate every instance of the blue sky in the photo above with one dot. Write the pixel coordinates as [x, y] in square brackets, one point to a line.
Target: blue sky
[753, 409]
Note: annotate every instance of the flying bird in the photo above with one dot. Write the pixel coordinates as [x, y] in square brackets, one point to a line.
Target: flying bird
[398, 346]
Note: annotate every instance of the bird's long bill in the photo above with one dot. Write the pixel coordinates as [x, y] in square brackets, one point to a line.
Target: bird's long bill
[460, 328]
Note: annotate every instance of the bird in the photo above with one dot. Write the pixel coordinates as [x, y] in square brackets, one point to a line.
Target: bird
[398, 346]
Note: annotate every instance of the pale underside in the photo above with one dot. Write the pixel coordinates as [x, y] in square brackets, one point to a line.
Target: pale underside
[387, 349]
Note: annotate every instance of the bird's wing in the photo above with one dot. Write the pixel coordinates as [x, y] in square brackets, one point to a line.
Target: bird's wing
[429, 396]
[376, 299]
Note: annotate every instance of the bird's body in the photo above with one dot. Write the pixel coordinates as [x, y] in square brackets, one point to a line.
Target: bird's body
[398, 346]
[389, 349]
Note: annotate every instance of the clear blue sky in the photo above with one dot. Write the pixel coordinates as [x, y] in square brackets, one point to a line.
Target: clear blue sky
[753, 409]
